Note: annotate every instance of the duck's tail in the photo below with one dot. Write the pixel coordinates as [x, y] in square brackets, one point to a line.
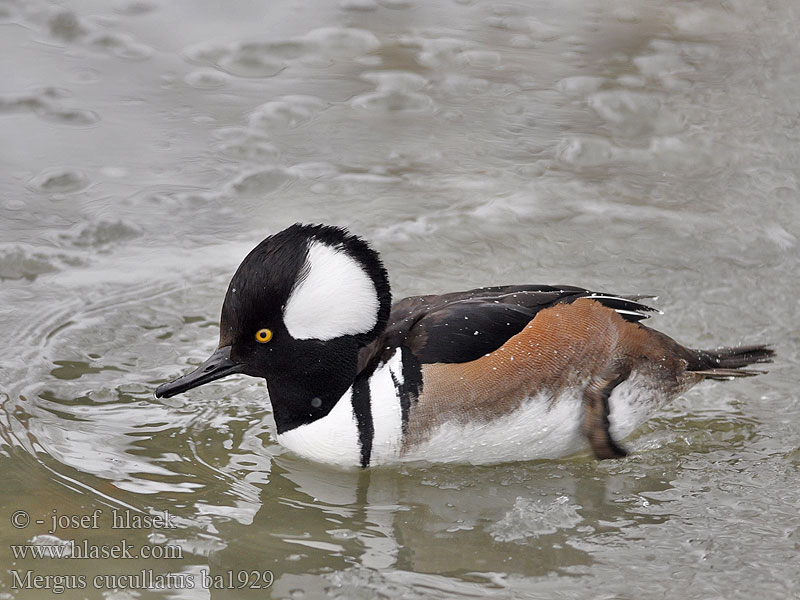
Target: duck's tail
[727, 363]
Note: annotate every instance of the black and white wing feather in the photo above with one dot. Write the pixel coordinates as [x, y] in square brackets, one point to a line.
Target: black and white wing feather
[463, 326]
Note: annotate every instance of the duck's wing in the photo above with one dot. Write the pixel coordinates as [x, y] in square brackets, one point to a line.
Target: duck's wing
[463, 326]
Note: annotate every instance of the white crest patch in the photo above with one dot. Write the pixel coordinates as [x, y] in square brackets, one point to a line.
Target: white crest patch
[336, 297]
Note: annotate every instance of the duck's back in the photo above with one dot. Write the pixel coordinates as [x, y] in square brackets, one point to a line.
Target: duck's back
[521, 372]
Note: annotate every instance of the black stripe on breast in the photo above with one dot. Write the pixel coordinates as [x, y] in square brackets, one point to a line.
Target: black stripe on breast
[362, 409]
[409, 390]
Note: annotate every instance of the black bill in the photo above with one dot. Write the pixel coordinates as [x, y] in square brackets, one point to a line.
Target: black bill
[218, 365]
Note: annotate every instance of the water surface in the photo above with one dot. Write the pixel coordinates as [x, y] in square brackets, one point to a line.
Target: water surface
[634, 147]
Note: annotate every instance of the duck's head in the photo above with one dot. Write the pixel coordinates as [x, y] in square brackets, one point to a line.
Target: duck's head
[297, 311]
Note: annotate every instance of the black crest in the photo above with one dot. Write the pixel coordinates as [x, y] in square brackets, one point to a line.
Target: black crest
[276, 265]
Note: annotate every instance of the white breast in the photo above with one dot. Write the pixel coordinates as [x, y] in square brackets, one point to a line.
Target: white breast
[387, 415]
[533, 431]
[332, 439]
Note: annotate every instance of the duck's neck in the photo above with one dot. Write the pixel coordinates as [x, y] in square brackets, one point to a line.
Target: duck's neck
[362, 427]
[308, 398]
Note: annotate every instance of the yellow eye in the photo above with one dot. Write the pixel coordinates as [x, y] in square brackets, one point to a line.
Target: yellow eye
[263, 335]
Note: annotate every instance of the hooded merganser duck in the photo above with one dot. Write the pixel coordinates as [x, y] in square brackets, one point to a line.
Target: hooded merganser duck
[483, 376]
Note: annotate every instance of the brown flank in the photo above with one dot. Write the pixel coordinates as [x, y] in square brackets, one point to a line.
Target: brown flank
[582, 345]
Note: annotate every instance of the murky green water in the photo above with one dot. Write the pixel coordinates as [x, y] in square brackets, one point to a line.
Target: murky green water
[643, 147]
